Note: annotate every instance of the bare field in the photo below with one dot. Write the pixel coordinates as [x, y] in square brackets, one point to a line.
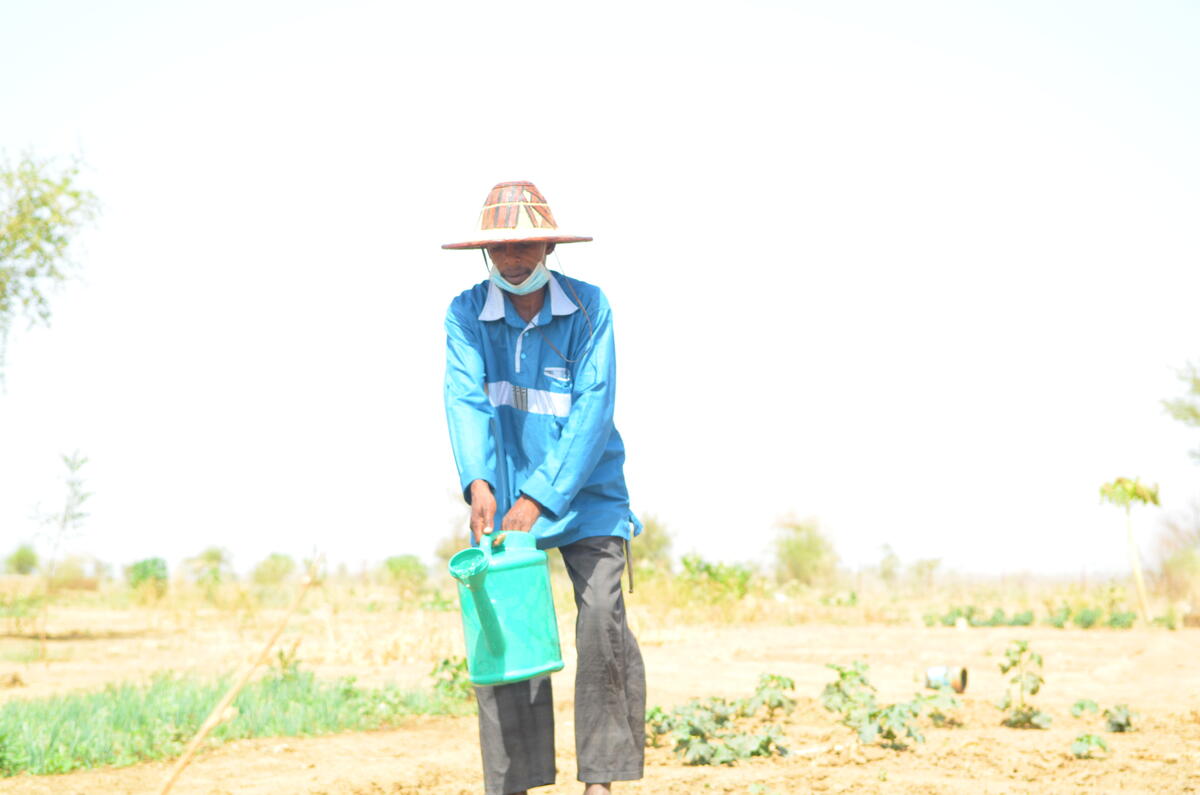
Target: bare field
[1154, 671]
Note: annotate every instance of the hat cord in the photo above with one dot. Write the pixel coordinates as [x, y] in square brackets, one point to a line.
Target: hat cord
[578, 302]
[582, 308]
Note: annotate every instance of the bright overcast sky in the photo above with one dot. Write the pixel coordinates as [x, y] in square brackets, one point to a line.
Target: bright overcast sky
[924, 271]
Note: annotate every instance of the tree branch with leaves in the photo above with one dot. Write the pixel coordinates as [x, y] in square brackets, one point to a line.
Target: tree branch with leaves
[42, 208]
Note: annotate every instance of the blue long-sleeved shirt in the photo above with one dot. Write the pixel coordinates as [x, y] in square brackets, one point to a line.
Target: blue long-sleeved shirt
[530, 408]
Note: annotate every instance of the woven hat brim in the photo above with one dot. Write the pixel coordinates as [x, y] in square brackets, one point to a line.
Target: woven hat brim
[496, 236]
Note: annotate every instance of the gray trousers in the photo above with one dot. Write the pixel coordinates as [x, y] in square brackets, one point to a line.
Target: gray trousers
[516, 722]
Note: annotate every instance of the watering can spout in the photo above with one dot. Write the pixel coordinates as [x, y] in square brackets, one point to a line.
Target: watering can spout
[470, 566]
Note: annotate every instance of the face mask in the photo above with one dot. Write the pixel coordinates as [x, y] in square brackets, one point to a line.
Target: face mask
[535, 280]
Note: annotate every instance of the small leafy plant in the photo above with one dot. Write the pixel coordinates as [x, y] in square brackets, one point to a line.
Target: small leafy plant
[712, 731]
[1119, 718]
[1026, 681]
[852, 697]
[451, 679]
[771, 693]
[1084, 705]
[1089, 746]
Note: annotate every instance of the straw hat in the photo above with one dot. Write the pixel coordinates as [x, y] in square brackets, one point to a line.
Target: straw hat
[515, 212]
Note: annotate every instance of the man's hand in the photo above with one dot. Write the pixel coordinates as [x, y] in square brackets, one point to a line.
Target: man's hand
[483, 509]
[521, 516]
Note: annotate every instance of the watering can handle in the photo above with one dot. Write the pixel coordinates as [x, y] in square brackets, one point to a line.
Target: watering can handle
[488, 541]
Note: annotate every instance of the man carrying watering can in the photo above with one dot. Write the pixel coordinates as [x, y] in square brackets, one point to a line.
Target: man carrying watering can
[530, 377]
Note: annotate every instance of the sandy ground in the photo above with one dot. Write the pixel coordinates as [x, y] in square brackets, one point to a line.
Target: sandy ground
[1154, 671]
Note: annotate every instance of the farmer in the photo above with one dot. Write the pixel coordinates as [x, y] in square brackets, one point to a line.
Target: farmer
[530, 382]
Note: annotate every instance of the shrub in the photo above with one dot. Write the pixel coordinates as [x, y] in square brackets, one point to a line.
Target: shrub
[802, 553]
[1058, 618]
[72, 573]
[273, 570]
[1119, 718]
[652, 548]
[1180, 574]
[23, 560]
[406, 572]
[210, 568]
[1121, 620]
[149, 574]
[715, 582]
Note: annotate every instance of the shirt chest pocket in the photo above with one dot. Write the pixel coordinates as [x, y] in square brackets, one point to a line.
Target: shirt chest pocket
[558, 379]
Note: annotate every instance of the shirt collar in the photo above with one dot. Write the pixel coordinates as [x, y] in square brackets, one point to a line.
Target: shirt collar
[493, 305]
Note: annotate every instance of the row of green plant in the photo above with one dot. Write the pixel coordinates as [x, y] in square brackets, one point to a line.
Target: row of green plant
[1085, 617]
[977, 617]
[716, 731]
[127, 723]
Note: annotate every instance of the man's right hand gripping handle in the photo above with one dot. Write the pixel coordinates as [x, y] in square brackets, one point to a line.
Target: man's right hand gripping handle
[483, 509]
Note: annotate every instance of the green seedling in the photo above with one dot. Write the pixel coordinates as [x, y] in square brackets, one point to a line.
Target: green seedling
[1119, 718]
[1089, 746]
[1026, 682]
[771, 693]
[942, 700]
[1124, 492]
[1084, 705]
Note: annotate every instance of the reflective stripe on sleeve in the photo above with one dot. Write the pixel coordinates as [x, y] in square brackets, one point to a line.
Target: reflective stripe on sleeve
[535, 401]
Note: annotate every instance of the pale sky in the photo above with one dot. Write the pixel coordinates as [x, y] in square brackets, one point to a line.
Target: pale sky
[923, 271]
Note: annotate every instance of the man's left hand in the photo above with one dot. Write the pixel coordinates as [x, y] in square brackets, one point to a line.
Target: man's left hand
[521, 516]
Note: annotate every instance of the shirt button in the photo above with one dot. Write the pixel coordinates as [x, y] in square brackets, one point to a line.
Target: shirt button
[522, 356]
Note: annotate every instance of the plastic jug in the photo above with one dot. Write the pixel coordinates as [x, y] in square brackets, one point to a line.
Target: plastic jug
[507, 610]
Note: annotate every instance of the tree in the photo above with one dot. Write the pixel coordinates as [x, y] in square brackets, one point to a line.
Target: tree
[1125, 492]
[1187, 409]
[1179, 555]
[211, 567]
[148, 576]
[65, 524]
[407, 573]
[273, 569]
[62, 526]
[23, 560]
[41, 210]
[802, 553]
[889, 566]
[653, 546]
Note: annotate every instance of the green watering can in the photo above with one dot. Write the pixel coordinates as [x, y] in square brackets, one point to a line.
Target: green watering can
[507, 610]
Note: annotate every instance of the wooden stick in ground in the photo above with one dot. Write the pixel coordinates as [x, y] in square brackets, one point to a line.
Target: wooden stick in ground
[1136, 561]
[218, 711]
